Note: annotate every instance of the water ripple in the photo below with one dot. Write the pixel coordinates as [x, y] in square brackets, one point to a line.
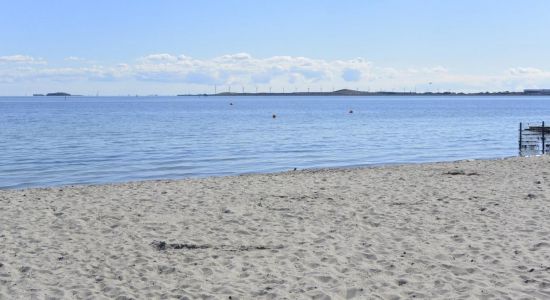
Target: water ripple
[46, 142]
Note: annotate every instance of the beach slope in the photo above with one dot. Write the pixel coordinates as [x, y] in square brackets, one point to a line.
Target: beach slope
[442, 230]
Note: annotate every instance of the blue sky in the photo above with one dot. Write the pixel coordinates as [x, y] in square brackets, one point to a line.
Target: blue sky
[169, 47]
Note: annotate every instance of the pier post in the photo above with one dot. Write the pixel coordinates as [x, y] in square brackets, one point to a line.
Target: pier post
[543, 140]
[520, 142]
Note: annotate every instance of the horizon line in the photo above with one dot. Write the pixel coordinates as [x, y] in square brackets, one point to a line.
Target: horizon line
[341, 92]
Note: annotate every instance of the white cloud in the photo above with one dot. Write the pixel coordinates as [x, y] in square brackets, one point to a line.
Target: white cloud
[236, 57]
[164, 70]
[528, 72]
[21, 59]
[74, 58]
[162, 57]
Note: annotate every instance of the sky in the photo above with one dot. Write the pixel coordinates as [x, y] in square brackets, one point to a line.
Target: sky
[169, 47]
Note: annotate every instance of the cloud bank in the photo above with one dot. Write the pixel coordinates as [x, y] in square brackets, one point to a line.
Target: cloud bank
[169, 73]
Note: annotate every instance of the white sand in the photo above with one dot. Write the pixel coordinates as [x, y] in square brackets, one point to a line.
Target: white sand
[398, 232]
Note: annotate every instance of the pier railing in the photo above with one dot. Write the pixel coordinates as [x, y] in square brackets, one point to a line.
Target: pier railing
[533, 138]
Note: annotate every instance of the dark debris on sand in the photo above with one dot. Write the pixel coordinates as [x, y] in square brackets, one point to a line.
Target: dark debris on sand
[461, 172]
[162, 245]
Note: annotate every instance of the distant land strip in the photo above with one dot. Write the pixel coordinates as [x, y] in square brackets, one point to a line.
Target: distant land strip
[348, 92]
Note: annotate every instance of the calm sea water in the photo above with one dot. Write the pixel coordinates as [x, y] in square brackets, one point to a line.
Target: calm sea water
[47, 141]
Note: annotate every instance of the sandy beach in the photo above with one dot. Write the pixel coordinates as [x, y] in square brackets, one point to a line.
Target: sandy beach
[455, 230]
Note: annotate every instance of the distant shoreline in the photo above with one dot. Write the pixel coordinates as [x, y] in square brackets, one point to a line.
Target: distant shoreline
[344, 92]
[355, 95]
[347, 92]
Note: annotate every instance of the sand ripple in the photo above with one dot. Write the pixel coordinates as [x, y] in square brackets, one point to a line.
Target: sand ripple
[449, 230]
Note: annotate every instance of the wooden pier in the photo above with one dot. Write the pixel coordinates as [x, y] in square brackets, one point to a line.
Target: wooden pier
[533, 138]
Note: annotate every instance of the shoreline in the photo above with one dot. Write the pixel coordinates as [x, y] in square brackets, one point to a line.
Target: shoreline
[441, 230]
[365, 94]
[253, 173]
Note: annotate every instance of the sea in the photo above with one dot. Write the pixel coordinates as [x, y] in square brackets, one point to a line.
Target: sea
[54, 141]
